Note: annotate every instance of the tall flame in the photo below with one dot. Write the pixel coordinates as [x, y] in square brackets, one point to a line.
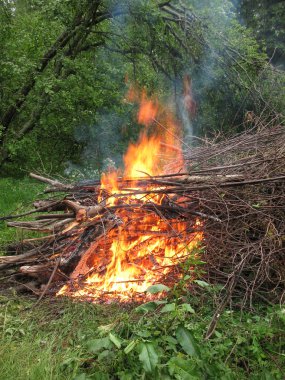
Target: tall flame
[142, 158]
[147, 246]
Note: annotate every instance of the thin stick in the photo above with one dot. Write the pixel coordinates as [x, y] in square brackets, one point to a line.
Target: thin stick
[49, 281]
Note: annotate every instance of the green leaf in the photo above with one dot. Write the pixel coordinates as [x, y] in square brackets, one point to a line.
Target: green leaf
[104, 354]
[201, 283]
[183, 369]
[130, 347]
[115, 340]
[148, 357]
[153, 289]
[144, 333]
[96, 345]
[170, 339]
[187, 341]
[187, 307]
[149, 306]
[218, 334]
[168, 307]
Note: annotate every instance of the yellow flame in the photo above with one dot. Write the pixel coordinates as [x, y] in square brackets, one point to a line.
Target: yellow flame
[139, 255]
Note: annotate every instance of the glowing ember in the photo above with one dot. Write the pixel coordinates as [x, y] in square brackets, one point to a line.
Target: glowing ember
[146, 247]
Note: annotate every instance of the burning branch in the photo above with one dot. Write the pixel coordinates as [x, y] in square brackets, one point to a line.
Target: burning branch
[115, 237]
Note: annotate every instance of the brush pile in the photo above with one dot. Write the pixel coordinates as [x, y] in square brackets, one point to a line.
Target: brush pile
[231, 198]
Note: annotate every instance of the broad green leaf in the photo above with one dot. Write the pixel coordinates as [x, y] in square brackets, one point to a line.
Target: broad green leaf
[153, 289]
[115, 340]
[184, 369]
[148, 357]
[149, 306]
[170, 339]
[95, 345]
[130, 347]
[144, 333]
[218, 334]
[168, 307]
[104, 354]
[186, 340]
[201, 283]
[187, 307]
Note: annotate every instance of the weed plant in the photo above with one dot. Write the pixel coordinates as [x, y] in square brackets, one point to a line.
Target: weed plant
[61, 339]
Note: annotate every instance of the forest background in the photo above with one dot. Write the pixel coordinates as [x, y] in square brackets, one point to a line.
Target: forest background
[66, 66]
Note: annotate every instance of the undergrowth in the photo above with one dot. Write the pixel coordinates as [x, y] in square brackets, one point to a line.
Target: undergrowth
[60, 339]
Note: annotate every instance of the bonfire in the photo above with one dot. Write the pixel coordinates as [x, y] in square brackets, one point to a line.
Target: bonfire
[111, 239]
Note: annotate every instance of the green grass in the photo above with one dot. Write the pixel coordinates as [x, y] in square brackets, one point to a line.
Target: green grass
[16, 196]
[47, 342]
[61, 339]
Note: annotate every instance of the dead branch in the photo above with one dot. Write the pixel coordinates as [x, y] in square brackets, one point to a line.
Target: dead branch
[234, 188]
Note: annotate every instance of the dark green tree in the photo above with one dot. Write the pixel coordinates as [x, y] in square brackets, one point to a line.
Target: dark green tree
[63, 67]
[267, 20]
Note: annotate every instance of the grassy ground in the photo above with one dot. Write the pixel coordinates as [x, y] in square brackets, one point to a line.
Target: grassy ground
[62, 339]
[15, 197]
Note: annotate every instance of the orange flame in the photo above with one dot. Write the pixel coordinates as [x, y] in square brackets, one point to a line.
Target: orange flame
[147, 111]
[146, 247]
[141, 159]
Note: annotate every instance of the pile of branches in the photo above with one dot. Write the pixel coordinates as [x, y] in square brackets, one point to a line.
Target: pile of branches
[235, 186]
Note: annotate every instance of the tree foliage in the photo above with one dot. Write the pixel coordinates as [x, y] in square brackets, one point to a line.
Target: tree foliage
[64, 64]
[267, 20]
